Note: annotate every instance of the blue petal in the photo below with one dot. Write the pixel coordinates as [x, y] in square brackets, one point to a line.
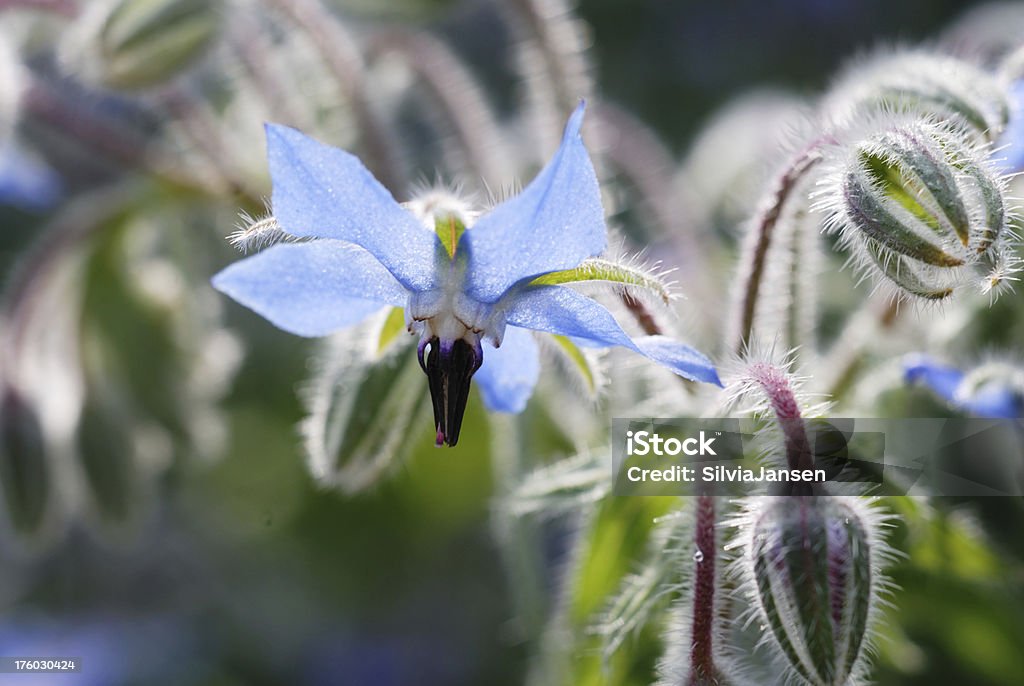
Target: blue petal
[327, 193]
[995, 401]
[26, 182]
[555, 223]
[560, 310]
[311, 289]
[942, 379]
[509, 373]
[1009, 149]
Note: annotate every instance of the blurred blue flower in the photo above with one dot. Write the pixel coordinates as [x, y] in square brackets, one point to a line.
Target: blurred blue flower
[1009, 149]
[370, 252]
[994, 397]
[26, 182]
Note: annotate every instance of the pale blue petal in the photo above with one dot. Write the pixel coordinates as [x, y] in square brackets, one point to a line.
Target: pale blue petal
[560, 310]
[995, 401]
[942, 379]
[311, 289]
[327, 193]
[509, 373]
[26, 182]
[555, 223]
[1009, 149]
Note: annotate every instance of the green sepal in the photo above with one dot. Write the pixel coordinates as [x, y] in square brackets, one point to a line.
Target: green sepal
[871, 216]
[25, 476]
[896, 268]
[144, 42]
[449, 228]
[365, 409]
[579, 362]
[599, 269]
[933, 178]
[394, 325]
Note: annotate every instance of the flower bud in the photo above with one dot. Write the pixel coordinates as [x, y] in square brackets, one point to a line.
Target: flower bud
[945, 87]
[812, 569]
[918, 204]
[24, 471]
[130, 44]
[109, 465]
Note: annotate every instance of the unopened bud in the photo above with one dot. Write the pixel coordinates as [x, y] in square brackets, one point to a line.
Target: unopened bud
[945, 87]
[917, 203]
[812, 569]
[130, 44]
[24, 471]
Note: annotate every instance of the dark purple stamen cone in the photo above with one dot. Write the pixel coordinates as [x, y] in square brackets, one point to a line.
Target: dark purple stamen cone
[450, 368]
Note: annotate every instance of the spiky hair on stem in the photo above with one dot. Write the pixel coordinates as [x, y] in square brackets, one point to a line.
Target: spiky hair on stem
[843, 583]
[698, 650]
[918, 205]
[761, 382]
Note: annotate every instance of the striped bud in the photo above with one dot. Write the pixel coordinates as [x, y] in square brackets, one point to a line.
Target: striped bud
[811, 566]
[945, 87]
[130, 44]
[24, 472]
[918, 205]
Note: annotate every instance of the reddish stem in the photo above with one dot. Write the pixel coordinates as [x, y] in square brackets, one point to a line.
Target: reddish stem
[702, 666]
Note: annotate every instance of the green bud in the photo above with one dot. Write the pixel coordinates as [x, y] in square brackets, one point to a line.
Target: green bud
[365, 400]
[918, 204]
[24, 471]
[131, 44]
[108, 461]
[812, 565]
[945, 87]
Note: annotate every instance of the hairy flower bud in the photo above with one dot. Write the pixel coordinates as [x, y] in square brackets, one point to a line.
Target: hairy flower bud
[918, 204]
[946, 87]
[24, 472]
[129, 44]
[811, 565]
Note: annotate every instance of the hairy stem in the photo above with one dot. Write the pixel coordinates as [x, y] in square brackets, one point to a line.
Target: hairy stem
[847, 354]
[456, 94]
[250, 42]
[340, 54]
[759, 239]
[702, 666]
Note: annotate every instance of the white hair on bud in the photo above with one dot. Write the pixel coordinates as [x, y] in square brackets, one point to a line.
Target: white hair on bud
[921, 81]
[979, 186]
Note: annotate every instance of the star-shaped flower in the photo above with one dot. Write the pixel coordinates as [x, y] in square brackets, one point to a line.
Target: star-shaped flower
[459, 288]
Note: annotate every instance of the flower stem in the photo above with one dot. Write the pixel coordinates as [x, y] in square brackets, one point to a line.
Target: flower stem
[456, 94]
[775, 383]
[759, 239]
[340, 54]
[702, 666]
[847, 354]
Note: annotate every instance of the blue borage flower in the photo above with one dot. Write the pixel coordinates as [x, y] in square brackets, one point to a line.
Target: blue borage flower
[994, 390]
[458, 288]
